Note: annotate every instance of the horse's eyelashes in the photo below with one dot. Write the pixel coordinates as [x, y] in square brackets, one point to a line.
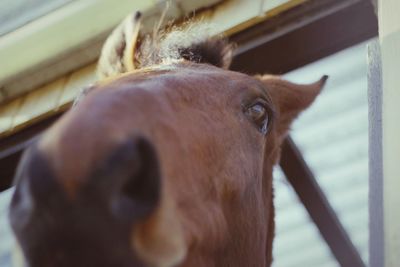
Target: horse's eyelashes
[258, 113]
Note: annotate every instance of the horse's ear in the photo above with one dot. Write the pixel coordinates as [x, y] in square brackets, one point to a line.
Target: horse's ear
[290, 99]
[118, 52]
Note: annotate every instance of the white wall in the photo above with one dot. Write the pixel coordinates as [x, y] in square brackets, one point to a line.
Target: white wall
[389, 24]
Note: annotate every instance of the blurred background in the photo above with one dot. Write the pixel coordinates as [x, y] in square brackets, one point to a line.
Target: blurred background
[48, 51]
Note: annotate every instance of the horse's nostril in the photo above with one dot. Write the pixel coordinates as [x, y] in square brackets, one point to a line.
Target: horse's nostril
[134, 171]
[123, 189]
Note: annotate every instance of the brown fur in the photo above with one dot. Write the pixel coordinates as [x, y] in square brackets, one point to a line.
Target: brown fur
[216, 202]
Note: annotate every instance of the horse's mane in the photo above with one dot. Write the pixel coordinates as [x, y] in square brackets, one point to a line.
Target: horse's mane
[191, 41]
[128, 48]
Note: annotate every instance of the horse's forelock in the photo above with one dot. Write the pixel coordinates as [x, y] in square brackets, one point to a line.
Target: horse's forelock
[193, 42]
[128, 49]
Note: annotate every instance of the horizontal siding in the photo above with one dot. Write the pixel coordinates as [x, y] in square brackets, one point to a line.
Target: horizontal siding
[333, 137]
[6, 238]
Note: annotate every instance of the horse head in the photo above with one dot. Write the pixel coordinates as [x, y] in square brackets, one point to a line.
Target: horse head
[166, 161]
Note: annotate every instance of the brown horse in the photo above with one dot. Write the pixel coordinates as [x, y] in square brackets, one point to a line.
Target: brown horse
[166, 161]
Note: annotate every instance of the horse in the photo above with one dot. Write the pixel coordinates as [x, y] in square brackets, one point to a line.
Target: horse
[165, 161]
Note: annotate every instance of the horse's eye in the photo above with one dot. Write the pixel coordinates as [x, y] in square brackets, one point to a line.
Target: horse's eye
[258, 113]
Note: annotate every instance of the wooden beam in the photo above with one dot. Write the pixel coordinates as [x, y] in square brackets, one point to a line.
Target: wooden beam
[72, 37]
[277, 46]
[16, 13]
[313, 198]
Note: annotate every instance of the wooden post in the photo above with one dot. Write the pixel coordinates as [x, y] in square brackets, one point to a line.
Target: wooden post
[389, 38]
[376, 252]
[304, 183]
